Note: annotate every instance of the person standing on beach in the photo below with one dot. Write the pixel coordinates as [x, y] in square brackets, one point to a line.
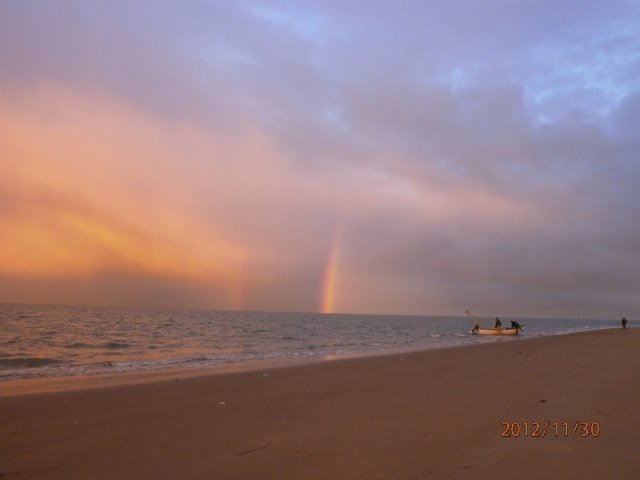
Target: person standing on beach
[498, 324]
[624, 322]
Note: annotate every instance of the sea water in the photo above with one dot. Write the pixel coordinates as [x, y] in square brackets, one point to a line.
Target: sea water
[44, 341]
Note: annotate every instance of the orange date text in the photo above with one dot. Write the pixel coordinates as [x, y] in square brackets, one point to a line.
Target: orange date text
[550, 428]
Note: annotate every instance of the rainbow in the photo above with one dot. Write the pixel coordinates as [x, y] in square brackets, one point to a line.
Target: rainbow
[328, 298]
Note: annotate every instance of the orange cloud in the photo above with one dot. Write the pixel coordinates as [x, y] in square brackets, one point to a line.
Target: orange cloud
[91, 187]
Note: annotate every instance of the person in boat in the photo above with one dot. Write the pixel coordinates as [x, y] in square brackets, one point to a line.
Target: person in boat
[516, 325]
[498, 324]
[476, 327]
[624, 322]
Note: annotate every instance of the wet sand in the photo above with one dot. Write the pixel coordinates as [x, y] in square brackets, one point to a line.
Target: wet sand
[434, 414]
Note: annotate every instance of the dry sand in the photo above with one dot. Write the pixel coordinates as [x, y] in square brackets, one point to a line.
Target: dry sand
[435, 414]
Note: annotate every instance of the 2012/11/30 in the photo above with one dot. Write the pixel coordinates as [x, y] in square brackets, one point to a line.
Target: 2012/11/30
[558, 429]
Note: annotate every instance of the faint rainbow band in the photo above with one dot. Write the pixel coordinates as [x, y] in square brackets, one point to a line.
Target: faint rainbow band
[328, 298]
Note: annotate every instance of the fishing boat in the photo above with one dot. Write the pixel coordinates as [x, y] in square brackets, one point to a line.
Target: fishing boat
[491, 331]
[495, 331]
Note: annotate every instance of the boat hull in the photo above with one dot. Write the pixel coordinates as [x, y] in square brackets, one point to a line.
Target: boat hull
[496, 331]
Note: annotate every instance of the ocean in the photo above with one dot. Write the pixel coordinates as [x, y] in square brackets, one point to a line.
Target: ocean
[51, 341]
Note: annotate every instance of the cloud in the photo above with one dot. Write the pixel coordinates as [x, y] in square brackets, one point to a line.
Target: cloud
[475, 154]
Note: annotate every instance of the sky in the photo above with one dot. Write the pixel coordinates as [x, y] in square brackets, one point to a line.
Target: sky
[409, 157]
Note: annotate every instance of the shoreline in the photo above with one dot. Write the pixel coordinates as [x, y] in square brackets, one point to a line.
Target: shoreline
[430, 414]
[64, 383]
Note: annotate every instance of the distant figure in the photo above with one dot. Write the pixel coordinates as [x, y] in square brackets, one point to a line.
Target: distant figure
[498, 323]
[624, 322]
[516, 325]
[476, 327]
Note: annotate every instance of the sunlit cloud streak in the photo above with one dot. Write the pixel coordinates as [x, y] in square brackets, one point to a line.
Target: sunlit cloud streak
[475, 155]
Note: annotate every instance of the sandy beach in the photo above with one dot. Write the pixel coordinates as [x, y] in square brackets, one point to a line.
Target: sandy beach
[433, 414]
